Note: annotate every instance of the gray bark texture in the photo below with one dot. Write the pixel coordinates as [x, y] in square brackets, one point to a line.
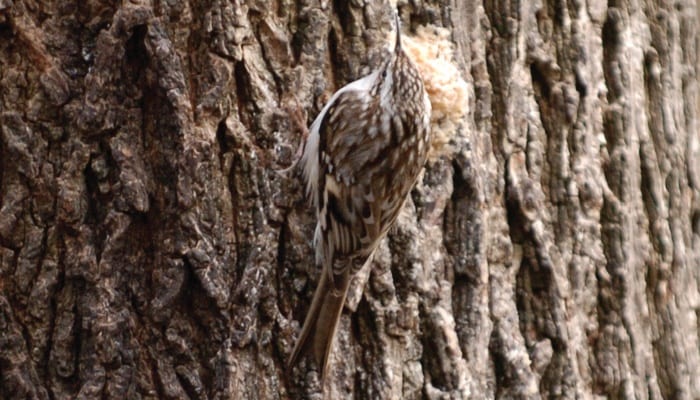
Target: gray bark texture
[153, 244]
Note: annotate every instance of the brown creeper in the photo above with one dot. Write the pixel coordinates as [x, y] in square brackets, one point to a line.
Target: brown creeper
[362, 157]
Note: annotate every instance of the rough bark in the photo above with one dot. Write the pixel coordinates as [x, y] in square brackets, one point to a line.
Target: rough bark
[152, 245]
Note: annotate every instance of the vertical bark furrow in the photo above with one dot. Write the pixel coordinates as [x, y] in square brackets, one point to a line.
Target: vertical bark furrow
[669, 201]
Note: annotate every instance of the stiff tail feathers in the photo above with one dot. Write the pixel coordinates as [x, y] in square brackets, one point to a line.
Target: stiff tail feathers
[320, 325]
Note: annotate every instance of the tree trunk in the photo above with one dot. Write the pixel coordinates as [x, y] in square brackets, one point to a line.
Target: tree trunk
[153, 243]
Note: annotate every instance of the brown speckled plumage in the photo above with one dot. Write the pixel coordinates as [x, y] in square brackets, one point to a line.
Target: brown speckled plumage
[363, 155]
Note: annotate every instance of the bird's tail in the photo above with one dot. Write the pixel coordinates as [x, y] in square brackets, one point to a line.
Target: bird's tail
[320, 324]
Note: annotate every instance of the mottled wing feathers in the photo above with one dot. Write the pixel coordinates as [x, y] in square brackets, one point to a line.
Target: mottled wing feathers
[348, 136]
[363, 154]
[351, 158]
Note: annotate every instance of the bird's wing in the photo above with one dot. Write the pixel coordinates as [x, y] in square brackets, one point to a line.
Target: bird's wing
[353, 176]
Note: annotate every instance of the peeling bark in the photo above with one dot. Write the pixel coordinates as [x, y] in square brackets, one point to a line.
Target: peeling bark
[153, 243]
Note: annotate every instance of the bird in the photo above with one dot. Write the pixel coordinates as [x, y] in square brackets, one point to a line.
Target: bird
[361, 158]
